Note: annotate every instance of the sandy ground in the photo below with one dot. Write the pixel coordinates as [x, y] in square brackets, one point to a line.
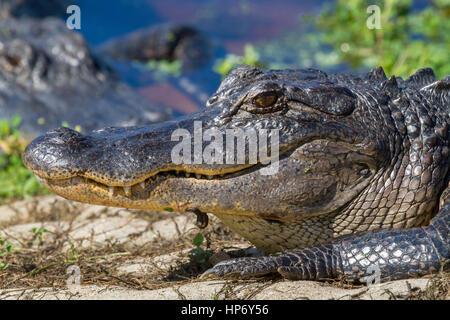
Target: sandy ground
[52, 248]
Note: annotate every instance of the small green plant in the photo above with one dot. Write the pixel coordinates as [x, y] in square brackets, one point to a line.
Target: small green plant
[6, 248]
[199, 255]
[38, 233]
[162, 69]
[231, 61]
[74, 255]
[16, 181]
[170, 67]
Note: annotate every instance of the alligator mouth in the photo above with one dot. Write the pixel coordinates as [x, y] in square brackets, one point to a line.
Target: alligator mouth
[127, 190]
[206, 188]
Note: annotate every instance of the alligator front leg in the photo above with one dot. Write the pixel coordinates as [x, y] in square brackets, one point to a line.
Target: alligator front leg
[392, 254]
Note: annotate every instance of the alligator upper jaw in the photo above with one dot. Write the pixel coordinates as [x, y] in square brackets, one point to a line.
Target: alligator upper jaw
[178, 173]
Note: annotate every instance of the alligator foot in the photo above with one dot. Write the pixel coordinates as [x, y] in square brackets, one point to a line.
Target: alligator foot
[301, 264]
[377, 255]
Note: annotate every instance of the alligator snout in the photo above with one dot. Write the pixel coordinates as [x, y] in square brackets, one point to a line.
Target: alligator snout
[55, 155]
[111, 156]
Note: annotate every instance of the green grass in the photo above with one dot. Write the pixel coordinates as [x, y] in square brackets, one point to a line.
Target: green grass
[16, 181]
[6, 248]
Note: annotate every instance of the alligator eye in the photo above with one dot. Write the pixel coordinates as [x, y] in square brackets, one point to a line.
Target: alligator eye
[265, 99]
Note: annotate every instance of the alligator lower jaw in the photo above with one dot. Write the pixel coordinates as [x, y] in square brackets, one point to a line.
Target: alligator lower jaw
[135, 196]
[89, 191]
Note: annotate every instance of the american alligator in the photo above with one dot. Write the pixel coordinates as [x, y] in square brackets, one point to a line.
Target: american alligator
[362, 180]
[48, 75]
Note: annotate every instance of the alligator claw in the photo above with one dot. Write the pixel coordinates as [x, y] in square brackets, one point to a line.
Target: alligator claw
[202, 218]
[300, 264]
[244, 267]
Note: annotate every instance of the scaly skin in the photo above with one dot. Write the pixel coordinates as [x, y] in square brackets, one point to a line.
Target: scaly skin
[363, 165]
[397, 254]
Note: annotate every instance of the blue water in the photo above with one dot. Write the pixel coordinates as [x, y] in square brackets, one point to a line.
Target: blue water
[103, 19]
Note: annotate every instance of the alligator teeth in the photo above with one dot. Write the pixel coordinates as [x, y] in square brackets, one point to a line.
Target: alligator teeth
[187, 174]
[142, 184]
[127, 191]
[210, 177]
[198, 176]
[111, 191]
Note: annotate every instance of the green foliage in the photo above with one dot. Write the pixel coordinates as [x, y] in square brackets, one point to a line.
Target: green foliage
[164, 67]
[199, 255]
[407, 40]
[16, 181]
[231, 61]
[38, 233]
[6, 248]
[74, 255]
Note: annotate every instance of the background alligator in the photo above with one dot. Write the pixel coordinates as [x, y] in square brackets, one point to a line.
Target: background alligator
[32, 8]
[362, 181]
[164, 42]
[48, 75]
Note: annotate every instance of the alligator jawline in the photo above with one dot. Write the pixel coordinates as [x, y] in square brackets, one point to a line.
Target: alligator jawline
[143, 184]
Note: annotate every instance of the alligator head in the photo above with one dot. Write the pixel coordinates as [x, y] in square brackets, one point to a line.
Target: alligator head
[341, 141]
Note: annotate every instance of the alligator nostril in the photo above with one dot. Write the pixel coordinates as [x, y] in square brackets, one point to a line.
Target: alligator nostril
[63, 135]
[212, 100]
[63, 130]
